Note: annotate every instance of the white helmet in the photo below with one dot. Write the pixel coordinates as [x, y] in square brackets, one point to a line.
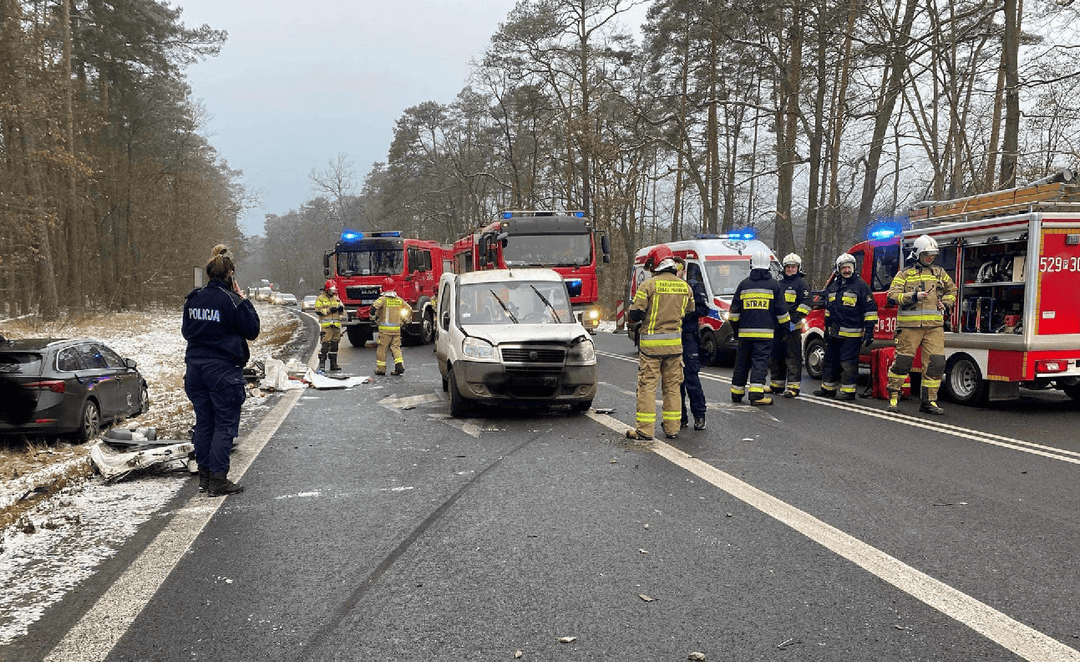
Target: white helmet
[845, 258]
[760, 260]
[792, 258]
[924, 244]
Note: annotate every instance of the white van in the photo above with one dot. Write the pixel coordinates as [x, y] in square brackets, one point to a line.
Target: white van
[509, 336]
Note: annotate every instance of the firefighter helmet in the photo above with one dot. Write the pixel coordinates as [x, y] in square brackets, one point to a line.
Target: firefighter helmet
[388, 285]
[793, 258]
[657, 256]
[329, 285]
[924, 244]
[759, 260]
[845, 258]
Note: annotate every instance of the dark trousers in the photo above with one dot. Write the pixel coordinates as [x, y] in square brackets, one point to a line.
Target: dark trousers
[786, 363]
[691, 384]
[751, 359]
[841, 367]
[216, 391]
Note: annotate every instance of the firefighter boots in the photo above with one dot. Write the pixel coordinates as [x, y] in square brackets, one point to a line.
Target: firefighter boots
[930, 407]
[761, 402]
[399, 369]
[846, 395]
[220, 485]
[825, 393]
[333, 362]
[640, 436]
[894, 403]
[699, 422]
[791, 392]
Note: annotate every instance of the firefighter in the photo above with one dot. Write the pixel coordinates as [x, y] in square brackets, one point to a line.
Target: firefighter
[329, 309]
[390, 311]
[850, 316]
[659, 305]
[758, 314]
[691, 384]
[786, 363]
[922, 292]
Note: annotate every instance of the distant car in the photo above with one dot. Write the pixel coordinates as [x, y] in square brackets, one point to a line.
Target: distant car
[264, 294]
[309, 302]
[509, 336]
[275, 298]
[78, 385]
[287, 300]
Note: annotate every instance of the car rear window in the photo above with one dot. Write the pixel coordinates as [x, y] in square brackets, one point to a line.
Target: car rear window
[20, 363]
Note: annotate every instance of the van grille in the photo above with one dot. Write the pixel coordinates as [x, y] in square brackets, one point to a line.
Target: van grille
[526, 354]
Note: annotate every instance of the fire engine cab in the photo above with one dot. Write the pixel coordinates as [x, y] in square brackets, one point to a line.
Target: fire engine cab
[361, 262]
[1015, 258]
[720, 262]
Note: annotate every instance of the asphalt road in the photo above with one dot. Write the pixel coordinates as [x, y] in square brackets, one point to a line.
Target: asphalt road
[375, 527]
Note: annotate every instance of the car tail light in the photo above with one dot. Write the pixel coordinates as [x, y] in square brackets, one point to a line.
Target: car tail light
[54, 385]
[1052, 365]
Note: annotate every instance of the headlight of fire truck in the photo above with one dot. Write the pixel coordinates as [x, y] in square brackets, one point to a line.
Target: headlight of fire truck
[476, 349]
[582, 352]
[590, 319]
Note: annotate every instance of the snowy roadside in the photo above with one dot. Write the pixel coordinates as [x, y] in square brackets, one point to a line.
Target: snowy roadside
[61, 540]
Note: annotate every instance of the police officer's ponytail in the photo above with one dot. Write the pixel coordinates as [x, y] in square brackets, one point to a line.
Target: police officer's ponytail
[221, 265]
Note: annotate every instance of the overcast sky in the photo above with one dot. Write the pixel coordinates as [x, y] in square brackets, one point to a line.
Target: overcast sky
[297, 83]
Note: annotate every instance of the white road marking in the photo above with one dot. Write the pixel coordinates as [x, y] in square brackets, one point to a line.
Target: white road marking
[1028, 643]
[410, 401]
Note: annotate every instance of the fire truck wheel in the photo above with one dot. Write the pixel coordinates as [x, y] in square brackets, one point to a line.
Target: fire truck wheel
[459, 406]
[815, 357]
[427, 329]
[964, 381]
[1072, 391]
[358, 335]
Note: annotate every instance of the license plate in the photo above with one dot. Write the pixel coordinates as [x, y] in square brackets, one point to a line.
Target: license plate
[537, 380]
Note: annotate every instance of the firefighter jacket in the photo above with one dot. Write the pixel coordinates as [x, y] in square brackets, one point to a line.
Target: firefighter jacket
[905, 290]
[659, 304]
[217, 324]
[698, 309]
[329, 310]
[797, 298]
[390, 311]
[850, 309]
[758, 307]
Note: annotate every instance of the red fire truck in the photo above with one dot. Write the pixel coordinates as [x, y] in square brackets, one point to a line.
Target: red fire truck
[559, 240]
[1015, 258]
[359, 264]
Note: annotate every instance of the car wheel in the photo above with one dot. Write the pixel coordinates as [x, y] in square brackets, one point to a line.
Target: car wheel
[459, 406]
[90, 422]
[815, 357]
[964, 381]
[709, 349]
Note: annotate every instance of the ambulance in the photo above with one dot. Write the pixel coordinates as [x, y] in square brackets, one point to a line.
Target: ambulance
[721, 262]
[1015, 258]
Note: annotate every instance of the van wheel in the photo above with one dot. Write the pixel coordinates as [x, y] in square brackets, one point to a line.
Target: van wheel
[815, 357]
[709, 349]
[459, 406]
[964, 381]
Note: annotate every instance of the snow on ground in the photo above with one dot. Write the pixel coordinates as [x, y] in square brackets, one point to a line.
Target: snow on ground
[73, 532]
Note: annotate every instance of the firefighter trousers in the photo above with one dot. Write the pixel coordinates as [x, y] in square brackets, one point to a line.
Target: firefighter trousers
[786, 363]
[908, 341]
[691, 383]
[391, 341]
[667, 371]
[751, 359]
[841, 367]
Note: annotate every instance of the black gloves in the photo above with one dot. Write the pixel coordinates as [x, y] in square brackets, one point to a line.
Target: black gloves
[868, 337]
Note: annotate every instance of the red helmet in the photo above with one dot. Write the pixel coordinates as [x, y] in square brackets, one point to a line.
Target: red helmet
[387, 284]
[657, 255]
[329, 285]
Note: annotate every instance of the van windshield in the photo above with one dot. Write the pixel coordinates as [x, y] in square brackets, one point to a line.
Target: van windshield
[520, 302]
[725, 276]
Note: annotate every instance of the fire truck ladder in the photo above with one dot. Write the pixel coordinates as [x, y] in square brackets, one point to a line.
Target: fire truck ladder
[1054, 193]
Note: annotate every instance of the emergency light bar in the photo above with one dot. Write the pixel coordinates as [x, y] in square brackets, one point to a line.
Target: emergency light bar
[348, 235]
[519, 213]
[747, 234]
[884, 230]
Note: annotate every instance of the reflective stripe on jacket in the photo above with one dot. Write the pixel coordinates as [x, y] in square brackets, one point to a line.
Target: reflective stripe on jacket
[391, 312]
[758, 306]
[797, 297]
[664, 299]
[328, 310]
[850, 309]
[905, 289]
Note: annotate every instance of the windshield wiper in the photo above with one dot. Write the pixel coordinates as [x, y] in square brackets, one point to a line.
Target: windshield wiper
[548, 304]
[510, 314]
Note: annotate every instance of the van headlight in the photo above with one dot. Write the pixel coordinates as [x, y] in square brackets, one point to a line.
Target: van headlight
[582, 353]
[476, 349]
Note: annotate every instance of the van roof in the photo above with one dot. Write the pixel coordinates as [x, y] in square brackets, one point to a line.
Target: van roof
[508, 275]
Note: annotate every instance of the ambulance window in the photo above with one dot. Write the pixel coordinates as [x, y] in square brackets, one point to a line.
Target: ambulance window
[693, 272]
[886, 265]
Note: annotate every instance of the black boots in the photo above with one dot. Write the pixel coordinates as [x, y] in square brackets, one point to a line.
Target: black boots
[399, 369]
[220, 485]
[204, 479]
[333, 362]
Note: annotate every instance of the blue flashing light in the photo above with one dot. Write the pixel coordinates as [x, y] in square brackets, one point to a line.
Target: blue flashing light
[885, 230]
[746, 234]
[394, 233]
[351, 235]
[579, 214]
[508, 214]
[573, 281]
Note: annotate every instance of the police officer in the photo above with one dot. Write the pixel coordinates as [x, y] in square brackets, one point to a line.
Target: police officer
[390, 311]
[659, 305]
[786, 363]
[217, 323]
[329, 309]
[922, 291]
[691, 347]
[757, 315]
[850, 316]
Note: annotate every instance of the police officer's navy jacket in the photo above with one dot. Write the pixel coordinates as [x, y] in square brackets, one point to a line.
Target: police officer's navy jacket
[797, 297]
[700, 309]
[758, 306]
[218, 323]
[850, 309]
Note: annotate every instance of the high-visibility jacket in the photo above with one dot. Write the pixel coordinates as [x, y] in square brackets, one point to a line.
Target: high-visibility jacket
[904, 292]
[329, 310]
[390, 311]
[758, 306]
[850, 309]
[797, 297]
[660, 303]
